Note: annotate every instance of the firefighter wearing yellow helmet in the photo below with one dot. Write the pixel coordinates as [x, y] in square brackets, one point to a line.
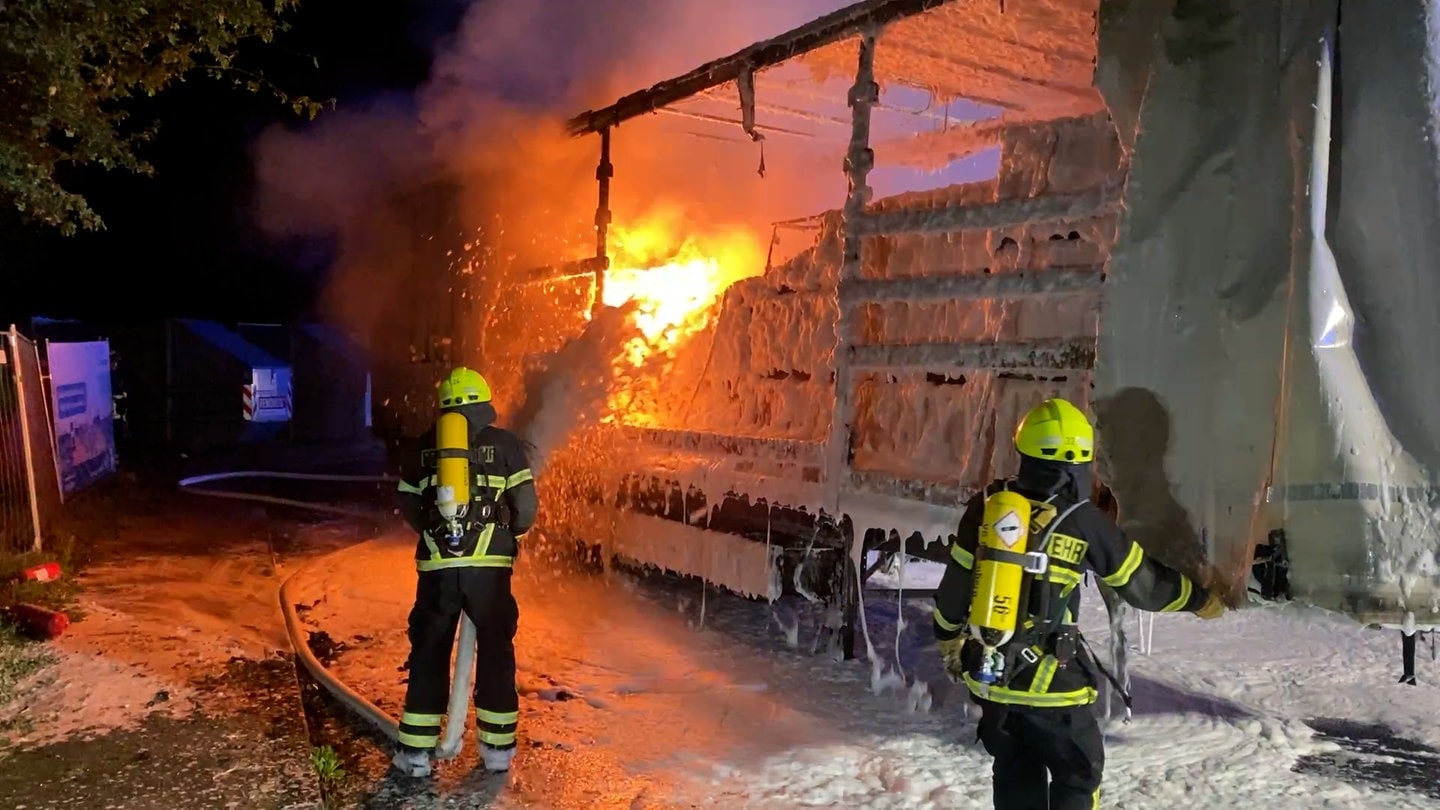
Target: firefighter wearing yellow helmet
[467, 490]
[1005, 612]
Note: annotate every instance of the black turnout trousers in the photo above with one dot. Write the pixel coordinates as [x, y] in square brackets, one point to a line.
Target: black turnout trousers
[484, 595]
[1033, 747]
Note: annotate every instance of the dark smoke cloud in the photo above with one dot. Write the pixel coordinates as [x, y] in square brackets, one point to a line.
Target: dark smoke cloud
[511, 64]
[488, 122]
[484, 137]
[316, 179]
[562, 55]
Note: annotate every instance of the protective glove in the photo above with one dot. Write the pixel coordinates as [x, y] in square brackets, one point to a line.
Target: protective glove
[950, 658]
[1213, 608]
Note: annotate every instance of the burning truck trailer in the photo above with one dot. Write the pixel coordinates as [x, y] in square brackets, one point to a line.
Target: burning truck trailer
[961, 307]
[1197, 273]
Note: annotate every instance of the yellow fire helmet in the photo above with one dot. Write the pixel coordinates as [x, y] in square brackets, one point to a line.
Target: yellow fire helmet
[464, 386]
[1055, 430]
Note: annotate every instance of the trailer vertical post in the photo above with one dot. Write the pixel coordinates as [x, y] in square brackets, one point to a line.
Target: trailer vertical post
[859, 159]
[603, 172]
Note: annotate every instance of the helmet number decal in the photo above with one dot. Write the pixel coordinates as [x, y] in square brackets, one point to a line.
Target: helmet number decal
[1009, 529]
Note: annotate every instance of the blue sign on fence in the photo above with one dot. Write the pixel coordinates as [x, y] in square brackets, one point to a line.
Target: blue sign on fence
[69, 400]
[84, 432]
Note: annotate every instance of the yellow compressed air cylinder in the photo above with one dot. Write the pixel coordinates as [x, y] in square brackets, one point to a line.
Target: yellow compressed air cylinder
[452, 474]
[995, 602]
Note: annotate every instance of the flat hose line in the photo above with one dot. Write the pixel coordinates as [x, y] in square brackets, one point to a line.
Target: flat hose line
[453, 741]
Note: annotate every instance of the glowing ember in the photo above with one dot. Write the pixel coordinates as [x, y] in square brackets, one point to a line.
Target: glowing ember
[674, 288]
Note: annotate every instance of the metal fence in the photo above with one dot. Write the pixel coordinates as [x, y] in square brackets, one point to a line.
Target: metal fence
[29, 483]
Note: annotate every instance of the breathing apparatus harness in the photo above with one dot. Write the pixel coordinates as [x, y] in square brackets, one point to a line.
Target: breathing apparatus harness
[1005, 572]
[463, 512]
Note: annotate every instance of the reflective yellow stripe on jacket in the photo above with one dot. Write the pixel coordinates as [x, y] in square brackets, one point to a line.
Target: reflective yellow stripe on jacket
[945, 624]
[495, 482]
[481, 558]
[1035, 699]
[1038, 694]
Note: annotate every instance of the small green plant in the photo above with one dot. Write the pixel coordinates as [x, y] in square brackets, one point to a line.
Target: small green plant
[327, 769]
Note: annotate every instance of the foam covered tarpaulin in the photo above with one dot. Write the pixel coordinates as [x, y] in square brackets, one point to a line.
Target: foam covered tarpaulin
[1230, 402]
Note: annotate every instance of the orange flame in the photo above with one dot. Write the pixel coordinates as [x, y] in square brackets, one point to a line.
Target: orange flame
[674, 281]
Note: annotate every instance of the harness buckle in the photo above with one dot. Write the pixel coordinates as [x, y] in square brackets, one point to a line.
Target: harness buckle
[1036, 562]
[1029, 655]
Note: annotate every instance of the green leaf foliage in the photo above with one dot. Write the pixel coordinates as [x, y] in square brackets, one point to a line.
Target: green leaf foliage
[72, 70]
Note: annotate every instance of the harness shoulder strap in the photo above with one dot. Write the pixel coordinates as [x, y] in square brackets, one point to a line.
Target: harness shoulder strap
[1055, 523]
[1046, 618]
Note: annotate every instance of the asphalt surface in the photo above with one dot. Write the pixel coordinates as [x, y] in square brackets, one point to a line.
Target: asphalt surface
[1374, 756]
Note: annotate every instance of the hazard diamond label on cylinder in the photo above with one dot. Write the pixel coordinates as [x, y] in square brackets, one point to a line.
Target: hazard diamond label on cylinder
[1009, 528]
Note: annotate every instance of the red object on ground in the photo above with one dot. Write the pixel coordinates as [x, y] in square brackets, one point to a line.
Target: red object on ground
[39, 622]
[43, 573]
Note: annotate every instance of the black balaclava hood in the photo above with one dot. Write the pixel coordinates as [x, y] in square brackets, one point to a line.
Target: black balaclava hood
[478, 414]
[1045, 478]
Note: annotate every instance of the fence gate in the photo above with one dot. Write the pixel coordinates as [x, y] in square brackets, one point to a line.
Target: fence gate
[29, 486]
[18, 528]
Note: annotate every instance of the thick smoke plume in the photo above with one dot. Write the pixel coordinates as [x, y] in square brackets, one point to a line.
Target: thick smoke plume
[489, 122]
[478, 159]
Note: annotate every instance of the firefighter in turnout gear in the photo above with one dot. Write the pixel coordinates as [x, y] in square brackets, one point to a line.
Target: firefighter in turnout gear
[467, 489]
[1005, 612]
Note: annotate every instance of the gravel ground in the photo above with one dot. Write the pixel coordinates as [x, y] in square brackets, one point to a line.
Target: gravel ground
[247, 747]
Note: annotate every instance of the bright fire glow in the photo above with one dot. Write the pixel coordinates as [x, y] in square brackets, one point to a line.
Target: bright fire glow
[674, 281]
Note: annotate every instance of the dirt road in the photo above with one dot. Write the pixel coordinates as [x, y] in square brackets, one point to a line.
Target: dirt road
[175, 688]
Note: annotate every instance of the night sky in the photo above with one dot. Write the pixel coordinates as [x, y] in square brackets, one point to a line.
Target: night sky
[182, 243]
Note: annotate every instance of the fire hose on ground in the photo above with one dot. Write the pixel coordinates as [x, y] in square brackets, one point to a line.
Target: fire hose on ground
[453, 741]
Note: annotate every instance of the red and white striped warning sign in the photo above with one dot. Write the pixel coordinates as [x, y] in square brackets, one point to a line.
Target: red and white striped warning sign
[268, 396]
